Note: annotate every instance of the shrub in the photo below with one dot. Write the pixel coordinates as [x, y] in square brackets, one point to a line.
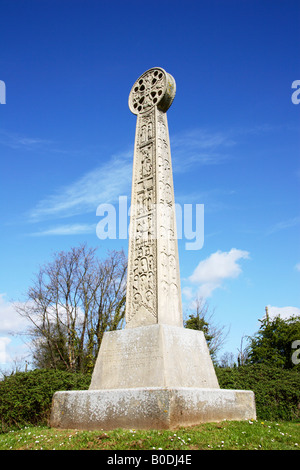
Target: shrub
[26, 397]
[277, 390]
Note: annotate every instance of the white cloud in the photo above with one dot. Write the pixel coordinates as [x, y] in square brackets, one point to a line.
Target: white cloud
[103, 184]
[4, 356]
[282, 312]
[13, 347]
[14, 343]
[13, 352]
[10, 321]
[297, 267]
[187, 292]
[211, 272]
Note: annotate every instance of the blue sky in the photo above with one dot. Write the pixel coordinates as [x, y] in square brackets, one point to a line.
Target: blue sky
[66, 142]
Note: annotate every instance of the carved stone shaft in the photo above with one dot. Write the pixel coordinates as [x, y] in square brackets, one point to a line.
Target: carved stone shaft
[153, 282]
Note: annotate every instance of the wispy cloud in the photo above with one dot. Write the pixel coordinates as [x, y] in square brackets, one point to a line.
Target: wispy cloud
[202, 146]
[18, 141]
[284, 224]
[199, 147]
[103, 184]
[71, 229]
[214, 270]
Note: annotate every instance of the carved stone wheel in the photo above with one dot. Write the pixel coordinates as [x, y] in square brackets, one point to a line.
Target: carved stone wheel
[155, 87]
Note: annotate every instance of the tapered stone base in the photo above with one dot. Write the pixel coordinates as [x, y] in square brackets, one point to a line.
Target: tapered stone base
[153, 356]
[151, 377]
[149, 408]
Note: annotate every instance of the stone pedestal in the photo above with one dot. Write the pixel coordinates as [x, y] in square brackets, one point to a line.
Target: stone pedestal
[157, 376]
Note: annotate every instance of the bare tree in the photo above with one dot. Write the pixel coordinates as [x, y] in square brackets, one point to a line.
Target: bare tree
[74, 299]
[243, 352]
[201, 318]
[227, 360]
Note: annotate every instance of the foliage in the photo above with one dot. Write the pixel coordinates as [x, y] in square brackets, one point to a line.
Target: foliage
[272, 344]
[196, 322]
[74, 299]
[277, 390]
[26, 397]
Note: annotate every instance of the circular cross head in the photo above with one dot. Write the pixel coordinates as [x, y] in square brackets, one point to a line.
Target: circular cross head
[155, 87]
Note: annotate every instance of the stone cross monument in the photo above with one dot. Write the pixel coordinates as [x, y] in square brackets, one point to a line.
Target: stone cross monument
[157, 351]
[154, 373]
[153, 287]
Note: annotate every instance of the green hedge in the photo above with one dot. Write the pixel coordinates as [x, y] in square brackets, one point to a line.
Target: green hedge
[26, 397]
[277, 391]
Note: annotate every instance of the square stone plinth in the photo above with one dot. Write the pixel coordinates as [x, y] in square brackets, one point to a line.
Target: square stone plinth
[149, 408]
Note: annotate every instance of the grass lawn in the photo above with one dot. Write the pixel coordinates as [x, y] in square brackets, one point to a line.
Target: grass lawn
[226, 435]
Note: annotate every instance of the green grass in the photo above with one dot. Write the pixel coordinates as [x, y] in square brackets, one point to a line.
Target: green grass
[233, 435]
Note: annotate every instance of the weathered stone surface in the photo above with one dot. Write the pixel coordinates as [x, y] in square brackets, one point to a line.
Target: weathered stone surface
[153, 282]
[154, 356]
[155, 373]
[149, 408]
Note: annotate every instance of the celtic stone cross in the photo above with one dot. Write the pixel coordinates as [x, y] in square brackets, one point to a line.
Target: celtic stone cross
[154, 374]
[153, 283]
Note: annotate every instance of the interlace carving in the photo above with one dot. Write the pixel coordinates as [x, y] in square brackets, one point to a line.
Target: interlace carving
[153, 282]
[148, 90]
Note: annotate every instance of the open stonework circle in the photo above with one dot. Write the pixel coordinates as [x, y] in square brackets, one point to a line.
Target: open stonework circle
[155, 87]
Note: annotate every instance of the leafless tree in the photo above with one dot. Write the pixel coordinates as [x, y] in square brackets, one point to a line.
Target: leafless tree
[74, 299]
[227, 360]
[201, 317]
[243, 352]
